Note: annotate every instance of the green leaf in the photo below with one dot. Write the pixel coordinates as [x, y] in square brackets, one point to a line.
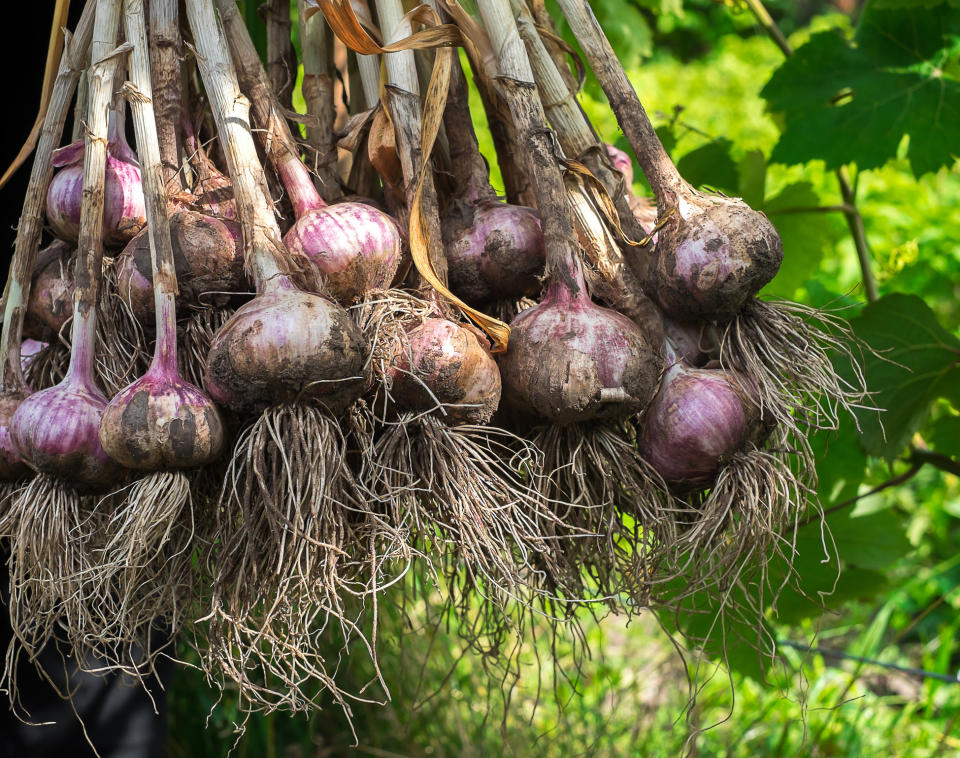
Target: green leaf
[865, 544]
[895, 4]
[804, 239]
[853, 584]
[918, 362]
[872, 541]
[848, 101]
[753, 177]
[627, 30]
[255, 25]
[674, 7]
[726, 629]
[711, 165]
[944, 436]
[841, 462]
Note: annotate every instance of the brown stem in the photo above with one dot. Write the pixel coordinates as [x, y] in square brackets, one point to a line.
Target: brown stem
[29, 229]
[165, 52]
[859, 233]
[316, 41]
[516, 81]
[937, 460]
[470, 173]
[656, 164]
[577, 137]
[146, 125]
[274, 132]
[80, 107]
[538, 9]
[406, 113]
[266, 259]
[281, 61]
[512, 161]
[105, 62]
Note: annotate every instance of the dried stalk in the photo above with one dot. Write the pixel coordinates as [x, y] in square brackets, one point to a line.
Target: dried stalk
[316, 41]
[406, 113]
[165, 52]
[626, 106]
[281, 61]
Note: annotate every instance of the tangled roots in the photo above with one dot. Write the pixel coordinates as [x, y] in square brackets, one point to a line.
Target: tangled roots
[295, 561]
[194, 337]
[122, 347]
[459, 494]
[508, 310]
[8, 492]
[48, 367]
[55, 574]
[384, 317]
[747, 520]
[148, 556]
[785, 349]
[620, 516]
[506, 641]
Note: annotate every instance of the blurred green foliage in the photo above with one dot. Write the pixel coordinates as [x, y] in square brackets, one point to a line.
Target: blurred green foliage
[877, 94]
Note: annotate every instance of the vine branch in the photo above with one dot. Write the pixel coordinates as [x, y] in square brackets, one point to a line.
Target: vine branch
[850, 210]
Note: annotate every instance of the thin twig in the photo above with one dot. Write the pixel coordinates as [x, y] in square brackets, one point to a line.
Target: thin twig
[843, 208]
[895, 481]
[937, 460]
[833, 653]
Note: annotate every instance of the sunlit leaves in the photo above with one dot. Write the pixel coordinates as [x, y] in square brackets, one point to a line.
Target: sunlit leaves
[847, 101]
[916, 361]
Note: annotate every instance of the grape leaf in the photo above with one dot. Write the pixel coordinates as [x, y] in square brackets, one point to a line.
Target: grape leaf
[892, 4]
[865, 544]
[853, 584]
[752, 170]
[944, 436]
[804, 235]
[726, 628]
[854, 101]
[710, 165]
[918, 362]
[623, 23]
[871, 541]
[841, 462]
